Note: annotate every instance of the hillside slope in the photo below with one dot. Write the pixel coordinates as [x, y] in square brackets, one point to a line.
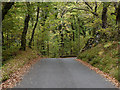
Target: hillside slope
[103, 56]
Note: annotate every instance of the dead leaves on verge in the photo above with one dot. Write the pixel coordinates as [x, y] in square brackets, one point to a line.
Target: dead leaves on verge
[111, 79]
[18, 75]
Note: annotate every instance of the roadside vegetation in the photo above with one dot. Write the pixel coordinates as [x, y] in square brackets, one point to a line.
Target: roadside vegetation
[88, 30]
[103, 56]
[13, 64]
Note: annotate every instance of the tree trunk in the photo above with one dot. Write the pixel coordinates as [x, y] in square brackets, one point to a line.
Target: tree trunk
[44, 15]
[118, 22]
[104, 16]
[73, 32]
[23, 38]
[2, 39]
[79, 40]
[48, 48]
[104, 19]
[34, 28]
[73, 37]
[61, 39]
[6, 8]
[62, 42]
[7, 40]
[118, 15]
[70, 45]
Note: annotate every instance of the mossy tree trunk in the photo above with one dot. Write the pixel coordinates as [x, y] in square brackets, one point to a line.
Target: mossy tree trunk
[23, 38]
[104, 18]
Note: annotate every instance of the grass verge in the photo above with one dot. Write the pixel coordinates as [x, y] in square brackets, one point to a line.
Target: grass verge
[104, 56]
[12, 65]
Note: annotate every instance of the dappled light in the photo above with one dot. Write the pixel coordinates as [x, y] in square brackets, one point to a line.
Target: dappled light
[88, 31]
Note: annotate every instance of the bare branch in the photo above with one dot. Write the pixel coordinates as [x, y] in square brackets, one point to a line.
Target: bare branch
[86, 10]
[88, 5]
[95, 6]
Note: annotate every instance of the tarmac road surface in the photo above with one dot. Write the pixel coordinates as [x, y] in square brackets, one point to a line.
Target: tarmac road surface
[62, 73]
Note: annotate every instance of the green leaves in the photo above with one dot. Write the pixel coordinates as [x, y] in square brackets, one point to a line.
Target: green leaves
[69, 23]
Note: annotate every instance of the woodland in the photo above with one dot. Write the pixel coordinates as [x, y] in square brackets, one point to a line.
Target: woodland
[86, 30]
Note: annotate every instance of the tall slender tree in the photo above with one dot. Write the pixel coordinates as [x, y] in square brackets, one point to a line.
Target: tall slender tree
[23, 37]
[32, 36]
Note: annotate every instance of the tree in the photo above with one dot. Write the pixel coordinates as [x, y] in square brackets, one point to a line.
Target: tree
[23, 37]
[118, 14]
[7, 6]
[104, 14]
[32, 36]
[118, 22]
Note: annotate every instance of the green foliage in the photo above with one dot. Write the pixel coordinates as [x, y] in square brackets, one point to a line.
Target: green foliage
[76, 24]
[9, 53]
[64, 28]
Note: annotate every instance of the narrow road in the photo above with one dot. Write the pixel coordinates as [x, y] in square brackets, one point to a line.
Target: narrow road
[62, 73]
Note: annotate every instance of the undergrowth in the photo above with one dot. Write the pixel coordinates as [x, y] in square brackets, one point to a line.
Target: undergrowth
[13, 64]
[103, 56]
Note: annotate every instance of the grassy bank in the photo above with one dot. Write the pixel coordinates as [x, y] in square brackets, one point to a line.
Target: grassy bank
[104, 56]
[13, 64]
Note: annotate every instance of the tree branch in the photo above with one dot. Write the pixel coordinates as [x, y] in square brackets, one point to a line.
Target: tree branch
[88, 5]
[86, 10]
[95, 6]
